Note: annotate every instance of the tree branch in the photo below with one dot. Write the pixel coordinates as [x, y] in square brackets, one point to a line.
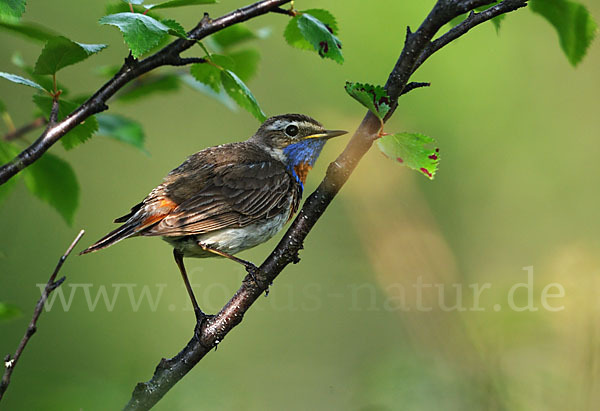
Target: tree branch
[471, 21]
[131, 69]
[212, 331]
[21, 131]
[11, 363]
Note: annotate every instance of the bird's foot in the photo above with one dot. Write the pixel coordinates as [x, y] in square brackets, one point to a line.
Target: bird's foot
[201, 318]
[252, 271]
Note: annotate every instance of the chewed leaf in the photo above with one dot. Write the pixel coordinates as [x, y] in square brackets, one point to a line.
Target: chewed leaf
[294, 36]
[413, 150]
[321, 37]
[20, 80]
[140, 32]
[573, 22]
[374, 98]
[52, 180]
[60, 52]
[240, 93]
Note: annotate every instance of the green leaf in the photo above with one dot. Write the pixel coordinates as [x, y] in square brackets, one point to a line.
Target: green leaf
[321, 38]
[52, 180]
[2, 107]
[8, 311]
[20, 80]
[29, 30]
[122, 129]
[412, 150]
[207, 74]
[374, 98]
[11, 10]
[232, 36]
[44, 81]
[238, 91]
[220, 95]
[224, 62]
[175, 29]
[180, 3]
[120, 7]
[61, 52]
[245, 63]
[148, 85]
[140, 32]
[77, 135]
[574, 24]
[294, 36]
[7, 153]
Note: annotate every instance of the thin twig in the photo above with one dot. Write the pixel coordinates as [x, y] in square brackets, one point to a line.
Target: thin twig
[131, 69]
[184, 61]
[474, 19]
[413, 85]
[11, 362]
[213, 331]
[280, 10]
[23, 130]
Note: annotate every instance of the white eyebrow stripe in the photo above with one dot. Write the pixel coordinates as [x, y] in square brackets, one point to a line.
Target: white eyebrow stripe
[278, 125]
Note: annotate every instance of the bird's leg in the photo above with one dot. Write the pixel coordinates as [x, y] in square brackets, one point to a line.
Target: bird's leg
[250, 268]
[200, 315]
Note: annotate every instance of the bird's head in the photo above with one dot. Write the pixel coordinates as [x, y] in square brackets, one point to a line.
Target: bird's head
[294, 139]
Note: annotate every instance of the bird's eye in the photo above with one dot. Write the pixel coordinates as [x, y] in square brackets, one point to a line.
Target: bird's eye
[291, 130]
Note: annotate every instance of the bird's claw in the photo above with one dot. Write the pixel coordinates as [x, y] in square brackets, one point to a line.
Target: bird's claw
[252, 270]
[201, 318]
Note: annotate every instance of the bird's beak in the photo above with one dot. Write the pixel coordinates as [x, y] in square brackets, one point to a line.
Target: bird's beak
[327, 134]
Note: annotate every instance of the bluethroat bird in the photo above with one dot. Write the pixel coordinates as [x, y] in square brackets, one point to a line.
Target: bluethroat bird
[231, 197]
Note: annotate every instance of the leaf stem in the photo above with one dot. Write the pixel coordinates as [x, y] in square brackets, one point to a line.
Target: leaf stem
[203, 48]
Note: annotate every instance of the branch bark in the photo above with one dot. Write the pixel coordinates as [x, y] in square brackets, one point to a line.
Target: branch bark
[131, 69]
[417, 48]
[11, 362]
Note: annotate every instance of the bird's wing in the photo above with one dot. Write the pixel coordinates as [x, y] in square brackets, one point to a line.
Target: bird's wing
[230, 196]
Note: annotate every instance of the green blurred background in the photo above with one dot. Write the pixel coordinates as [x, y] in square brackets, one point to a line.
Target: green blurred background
[518, 130]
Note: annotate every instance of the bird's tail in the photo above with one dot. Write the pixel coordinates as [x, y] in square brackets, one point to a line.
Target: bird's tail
[126, 230]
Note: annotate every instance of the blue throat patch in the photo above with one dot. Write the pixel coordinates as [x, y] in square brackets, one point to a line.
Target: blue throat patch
[305, 151]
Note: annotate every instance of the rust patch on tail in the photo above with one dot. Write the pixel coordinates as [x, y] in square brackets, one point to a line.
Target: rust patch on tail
[156, 211]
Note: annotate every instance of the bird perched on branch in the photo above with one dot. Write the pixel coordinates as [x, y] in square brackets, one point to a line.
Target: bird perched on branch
[231, 197]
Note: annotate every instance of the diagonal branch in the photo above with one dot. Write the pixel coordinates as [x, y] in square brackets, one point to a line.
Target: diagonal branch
[11, 362]
[131, 69]
[211, 332]
[471, 21]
